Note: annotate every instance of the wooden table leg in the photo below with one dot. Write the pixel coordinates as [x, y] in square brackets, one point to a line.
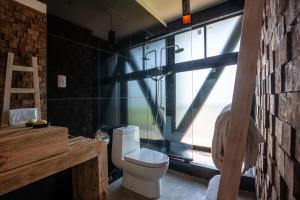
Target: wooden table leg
[90, 179]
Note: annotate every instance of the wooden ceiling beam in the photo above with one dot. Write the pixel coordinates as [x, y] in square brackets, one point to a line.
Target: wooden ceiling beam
[152, 11]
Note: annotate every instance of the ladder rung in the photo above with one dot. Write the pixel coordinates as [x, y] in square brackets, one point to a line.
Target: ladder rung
[22, 68]
[22, 90]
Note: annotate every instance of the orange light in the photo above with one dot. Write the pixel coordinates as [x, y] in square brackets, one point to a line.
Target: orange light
[186, 19]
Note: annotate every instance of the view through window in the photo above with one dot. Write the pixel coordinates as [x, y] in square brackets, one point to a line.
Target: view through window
[192, 95]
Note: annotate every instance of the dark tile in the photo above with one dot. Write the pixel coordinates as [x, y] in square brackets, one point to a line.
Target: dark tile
[76, 114]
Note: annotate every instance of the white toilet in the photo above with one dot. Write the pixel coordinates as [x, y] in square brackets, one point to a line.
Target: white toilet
[142, 168]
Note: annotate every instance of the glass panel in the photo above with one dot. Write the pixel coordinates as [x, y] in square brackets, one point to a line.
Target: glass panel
[111, 62]
[219, 33]
[187, 86]
[197, 44]
[135, 89]
[152, 85]
[155, 135]
[140, 114]
[128, 68]
[137, 110]
[136, 57]
[109, 115]
[218, 98]
[193, 44]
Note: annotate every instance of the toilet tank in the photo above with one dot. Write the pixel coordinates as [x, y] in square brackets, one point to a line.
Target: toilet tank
[125, 140]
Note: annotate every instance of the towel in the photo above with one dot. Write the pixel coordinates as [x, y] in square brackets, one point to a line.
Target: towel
[220, 137]
[213, 188]
[19, 116]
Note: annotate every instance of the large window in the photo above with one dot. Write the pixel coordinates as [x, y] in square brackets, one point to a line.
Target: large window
[205, 114]
[193, 95]
[202, 94]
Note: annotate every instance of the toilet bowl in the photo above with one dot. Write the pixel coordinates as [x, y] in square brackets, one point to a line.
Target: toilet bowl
[142, 168]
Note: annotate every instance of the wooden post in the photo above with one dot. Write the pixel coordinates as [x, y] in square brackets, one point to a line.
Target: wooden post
[8, 78]
[90, 179]
[242, 99]
[37, 100]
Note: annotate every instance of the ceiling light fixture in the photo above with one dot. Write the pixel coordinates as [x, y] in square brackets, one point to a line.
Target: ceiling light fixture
[186, 12]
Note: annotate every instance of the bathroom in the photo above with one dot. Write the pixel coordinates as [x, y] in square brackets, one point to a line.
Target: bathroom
[131, 84]
[151, 80]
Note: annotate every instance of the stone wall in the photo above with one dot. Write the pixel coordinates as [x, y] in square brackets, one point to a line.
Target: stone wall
[22, 32]
[278, 101]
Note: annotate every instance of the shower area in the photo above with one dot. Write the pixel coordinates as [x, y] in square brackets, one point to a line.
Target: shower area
[173, 87]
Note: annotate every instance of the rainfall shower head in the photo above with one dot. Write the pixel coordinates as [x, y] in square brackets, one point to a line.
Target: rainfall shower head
[179, 50]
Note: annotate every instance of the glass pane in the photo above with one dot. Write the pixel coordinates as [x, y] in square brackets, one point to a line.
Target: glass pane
[187, 86]
[193, 44]
[136, 57]
[152, 85]
[155, 135]
[111, 63]
[218, 98]
[135, 89]
[219, 33]
[184, 94]
[137, 111]
[198, 44]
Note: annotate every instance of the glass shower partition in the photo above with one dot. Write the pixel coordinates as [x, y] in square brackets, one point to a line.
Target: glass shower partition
[176, 115]
[143, 98]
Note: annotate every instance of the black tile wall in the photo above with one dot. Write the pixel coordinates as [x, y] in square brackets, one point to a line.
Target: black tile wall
[77, 63]
[76, 114]
[84, 105]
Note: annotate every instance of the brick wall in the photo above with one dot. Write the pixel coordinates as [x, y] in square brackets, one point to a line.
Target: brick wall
[22, 32]
[278, 101]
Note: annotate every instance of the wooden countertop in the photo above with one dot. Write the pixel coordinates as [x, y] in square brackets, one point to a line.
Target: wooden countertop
[83, 154]
[20, 145]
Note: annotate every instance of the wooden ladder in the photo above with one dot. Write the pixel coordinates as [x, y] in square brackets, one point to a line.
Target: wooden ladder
[10, 68]
[235, 146]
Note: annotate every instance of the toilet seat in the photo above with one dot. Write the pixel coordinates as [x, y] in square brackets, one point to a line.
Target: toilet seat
[147, 158]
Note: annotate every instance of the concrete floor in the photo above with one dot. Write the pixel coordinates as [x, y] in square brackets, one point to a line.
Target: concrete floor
[175, 186]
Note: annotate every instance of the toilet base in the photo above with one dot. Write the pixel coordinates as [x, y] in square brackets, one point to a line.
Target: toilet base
[146, 188]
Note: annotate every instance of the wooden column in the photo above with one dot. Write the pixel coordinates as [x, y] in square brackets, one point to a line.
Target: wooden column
[36, 85]
[7, 87]
[90, 179]
[242, 99]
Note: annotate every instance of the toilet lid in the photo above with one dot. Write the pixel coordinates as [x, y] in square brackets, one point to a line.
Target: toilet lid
[147, 158]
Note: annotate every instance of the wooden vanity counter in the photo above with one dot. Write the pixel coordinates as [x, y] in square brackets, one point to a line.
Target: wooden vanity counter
[20, 145]
[87, 158]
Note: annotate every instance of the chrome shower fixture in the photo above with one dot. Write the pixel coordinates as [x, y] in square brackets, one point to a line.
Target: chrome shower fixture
[157, 119]
[179, 50]
[145, 58]
[159, 84]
